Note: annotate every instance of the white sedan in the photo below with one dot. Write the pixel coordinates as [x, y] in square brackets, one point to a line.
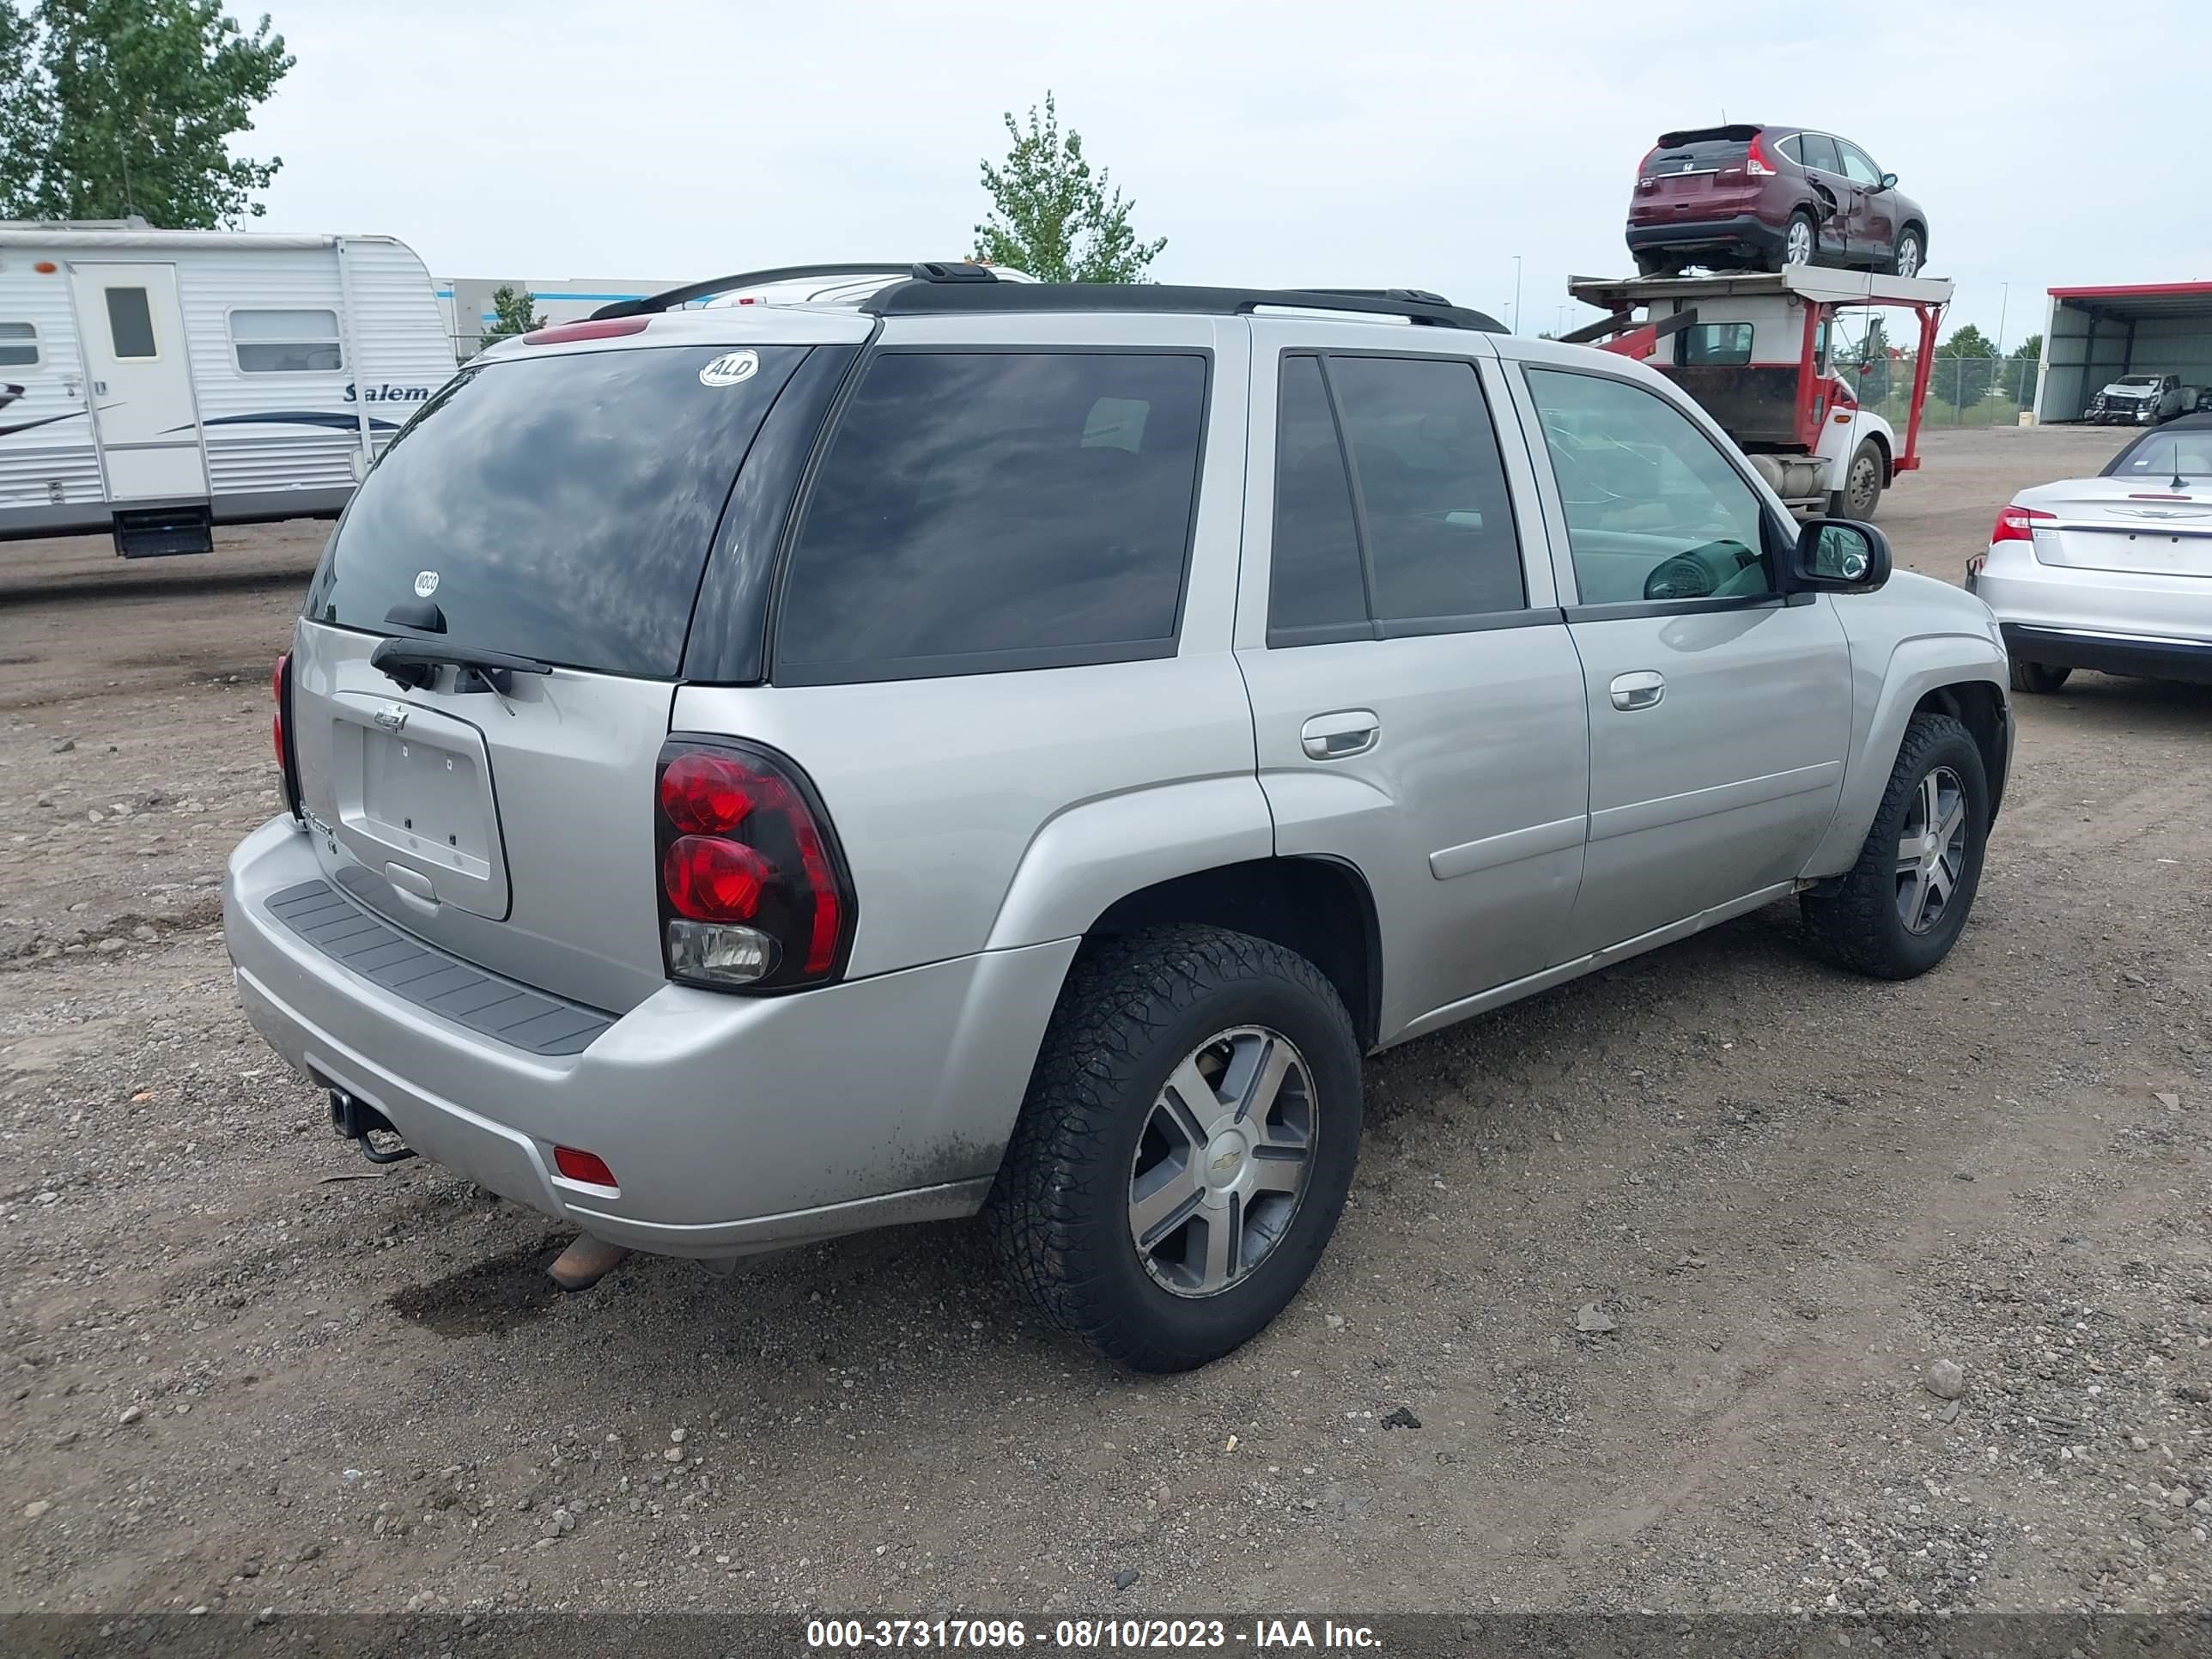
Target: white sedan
[2112, 573]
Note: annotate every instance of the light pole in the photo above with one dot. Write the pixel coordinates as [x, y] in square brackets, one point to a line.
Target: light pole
[2004, 295]
[1517, 293]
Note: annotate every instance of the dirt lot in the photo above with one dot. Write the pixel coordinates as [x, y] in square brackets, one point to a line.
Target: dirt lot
[246, 1370]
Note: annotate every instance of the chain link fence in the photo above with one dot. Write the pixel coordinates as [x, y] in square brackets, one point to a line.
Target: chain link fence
[1962, 390]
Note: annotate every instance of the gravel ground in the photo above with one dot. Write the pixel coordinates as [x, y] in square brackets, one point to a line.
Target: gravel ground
[245, 1369]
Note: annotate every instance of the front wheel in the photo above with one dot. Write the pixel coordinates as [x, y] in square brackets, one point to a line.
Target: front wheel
[1861, 497]
[1185, 1149]
[1897, 911]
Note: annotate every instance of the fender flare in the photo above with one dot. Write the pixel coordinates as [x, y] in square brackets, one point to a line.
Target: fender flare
[1917, 666]
[1088, 856]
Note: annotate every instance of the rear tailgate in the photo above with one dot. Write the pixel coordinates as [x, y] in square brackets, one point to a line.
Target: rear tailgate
[1698, 174]
[2118, 527]
[558, 507]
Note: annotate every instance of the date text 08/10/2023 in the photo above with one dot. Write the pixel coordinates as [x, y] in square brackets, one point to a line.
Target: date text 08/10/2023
[832, 1635]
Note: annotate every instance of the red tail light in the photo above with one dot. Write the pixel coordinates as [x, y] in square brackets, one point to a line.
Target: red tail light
[753, 890]
[579, 1165]
[280, 691]
[1756, 162]
[2017, 524]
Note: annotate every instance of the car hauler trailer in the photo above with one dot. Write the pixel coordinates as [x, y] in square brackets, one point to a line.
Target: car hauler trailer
[1756, 350]
[156, 383]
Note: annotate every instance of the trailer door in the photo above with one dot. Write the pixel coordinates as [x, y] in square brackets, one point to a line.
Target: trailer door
[140, 379]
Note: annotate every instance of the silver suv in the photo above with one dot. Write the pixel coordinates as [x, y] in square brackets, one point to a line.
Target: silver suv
[762, 772]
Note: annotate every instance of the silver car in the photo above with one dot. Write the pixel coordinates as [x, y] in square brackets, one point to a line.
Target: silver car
[759, 773]
[2110, 572]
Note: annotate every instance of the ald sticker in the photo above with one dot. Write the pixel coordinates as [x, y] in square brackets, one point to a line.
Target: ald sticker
[729, 369]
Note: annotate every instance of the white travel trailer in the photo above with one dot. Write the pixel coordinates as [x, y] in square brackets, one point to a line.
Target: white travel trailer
[157, 383]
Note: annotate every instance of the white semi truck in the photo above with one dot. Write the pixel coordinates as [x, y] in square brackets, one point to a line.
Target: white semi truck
[1757, 349]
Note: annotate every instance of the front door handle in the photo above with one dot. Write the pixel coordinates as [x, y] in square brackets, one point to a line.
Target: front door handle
[1642, 689]
[1338, 736]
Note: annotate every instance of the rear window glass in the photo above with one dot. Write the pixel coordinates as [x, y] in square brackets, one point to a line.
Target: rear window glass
[997, 510]
[2179, 452]
[561, 508]
[1696, 156]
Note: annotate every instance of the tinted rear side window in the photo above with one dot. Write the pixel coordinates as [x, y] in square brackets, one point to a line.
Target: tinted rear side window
[980, 511]
[560, 507]
[1820, 151]
[1440, 532]
[1315, 587]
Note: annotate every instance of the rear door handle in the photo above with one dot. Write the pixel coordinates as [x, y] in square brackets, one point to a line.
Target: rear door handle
[1644, 689]
[1338, 736]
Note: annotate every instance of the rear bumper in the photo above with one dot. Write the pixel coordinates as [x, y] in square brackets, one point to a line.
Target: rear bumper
[2111, 654]
[2055, 604]
[732, 1123]
[1743, 230]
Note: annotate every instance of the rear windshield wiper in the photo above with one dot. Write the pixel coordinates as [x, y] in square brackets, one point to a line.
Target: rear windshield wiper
[414, 665]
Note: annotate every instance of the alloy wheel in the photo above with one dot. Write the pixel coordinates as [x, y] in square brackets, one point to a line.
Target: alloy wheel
[1798, 246]
[1931, 850]
[1908, 257]
[1223, 1161]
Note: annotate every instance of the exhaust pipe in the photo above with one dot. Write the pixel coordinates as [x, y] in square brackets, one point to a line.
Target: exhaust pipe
[586, 1262]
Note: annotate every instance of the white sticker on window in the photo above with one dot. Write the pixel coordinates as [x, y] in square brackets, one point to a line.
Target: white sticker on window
[729, 369]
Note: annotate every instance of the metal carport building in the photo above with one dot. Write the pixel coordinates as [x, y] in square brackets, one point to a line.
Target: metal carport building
[2095, 335]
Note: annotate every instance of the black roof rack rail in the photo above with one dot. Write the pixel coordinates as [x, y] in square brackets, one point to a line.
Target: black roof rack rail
[938, 297]
[891, 271]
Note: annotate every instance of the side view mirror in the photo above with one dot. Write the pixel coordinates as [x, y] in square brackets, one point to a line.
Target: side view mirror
[1889, 181]
[1839, 555]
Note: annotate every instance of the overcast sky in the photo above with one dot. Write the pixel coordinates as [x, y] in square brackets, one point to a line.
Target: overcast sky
[1358, 144]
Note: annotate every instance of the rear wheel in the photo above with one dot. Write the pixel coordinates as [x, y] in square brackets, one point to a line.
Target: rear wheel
[2038, 677]
[1801, 241]
[1186, 1146]
[1656, 265]
[1897, 911]
[1909, 252]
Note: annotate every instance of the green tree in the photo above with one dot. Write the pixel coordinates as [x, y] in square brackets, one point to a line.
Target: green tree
[1966, 365]
[114, 107]
[513, 312]
[2021, 368]
[1052, 217]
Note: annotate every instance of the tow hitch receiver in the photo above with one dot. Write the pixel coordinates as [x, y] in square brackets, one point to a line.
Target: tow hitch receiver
[355, 1120]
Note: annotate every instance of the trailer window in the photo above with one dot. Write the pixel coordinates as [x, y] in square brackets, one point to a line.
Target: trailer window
[286, 342]
[130, 323]
[19, 345]
[1713, 342]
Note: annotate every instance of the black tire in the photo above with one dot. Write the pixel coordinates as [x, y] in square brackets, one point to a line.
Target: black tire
[1856, 922]
[1656, 265]
[1132, 1009]
[2038, 677]
[1812, 236]
[1917, 240]
[1861, 497]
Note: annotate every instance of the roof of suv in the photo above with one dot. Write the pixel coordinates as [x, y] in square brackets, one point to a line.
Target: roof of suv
[933, 288]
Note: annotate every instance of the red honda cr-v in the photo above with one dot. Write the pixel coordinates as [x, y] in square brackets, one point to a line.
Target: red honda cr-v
[1760, 197]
